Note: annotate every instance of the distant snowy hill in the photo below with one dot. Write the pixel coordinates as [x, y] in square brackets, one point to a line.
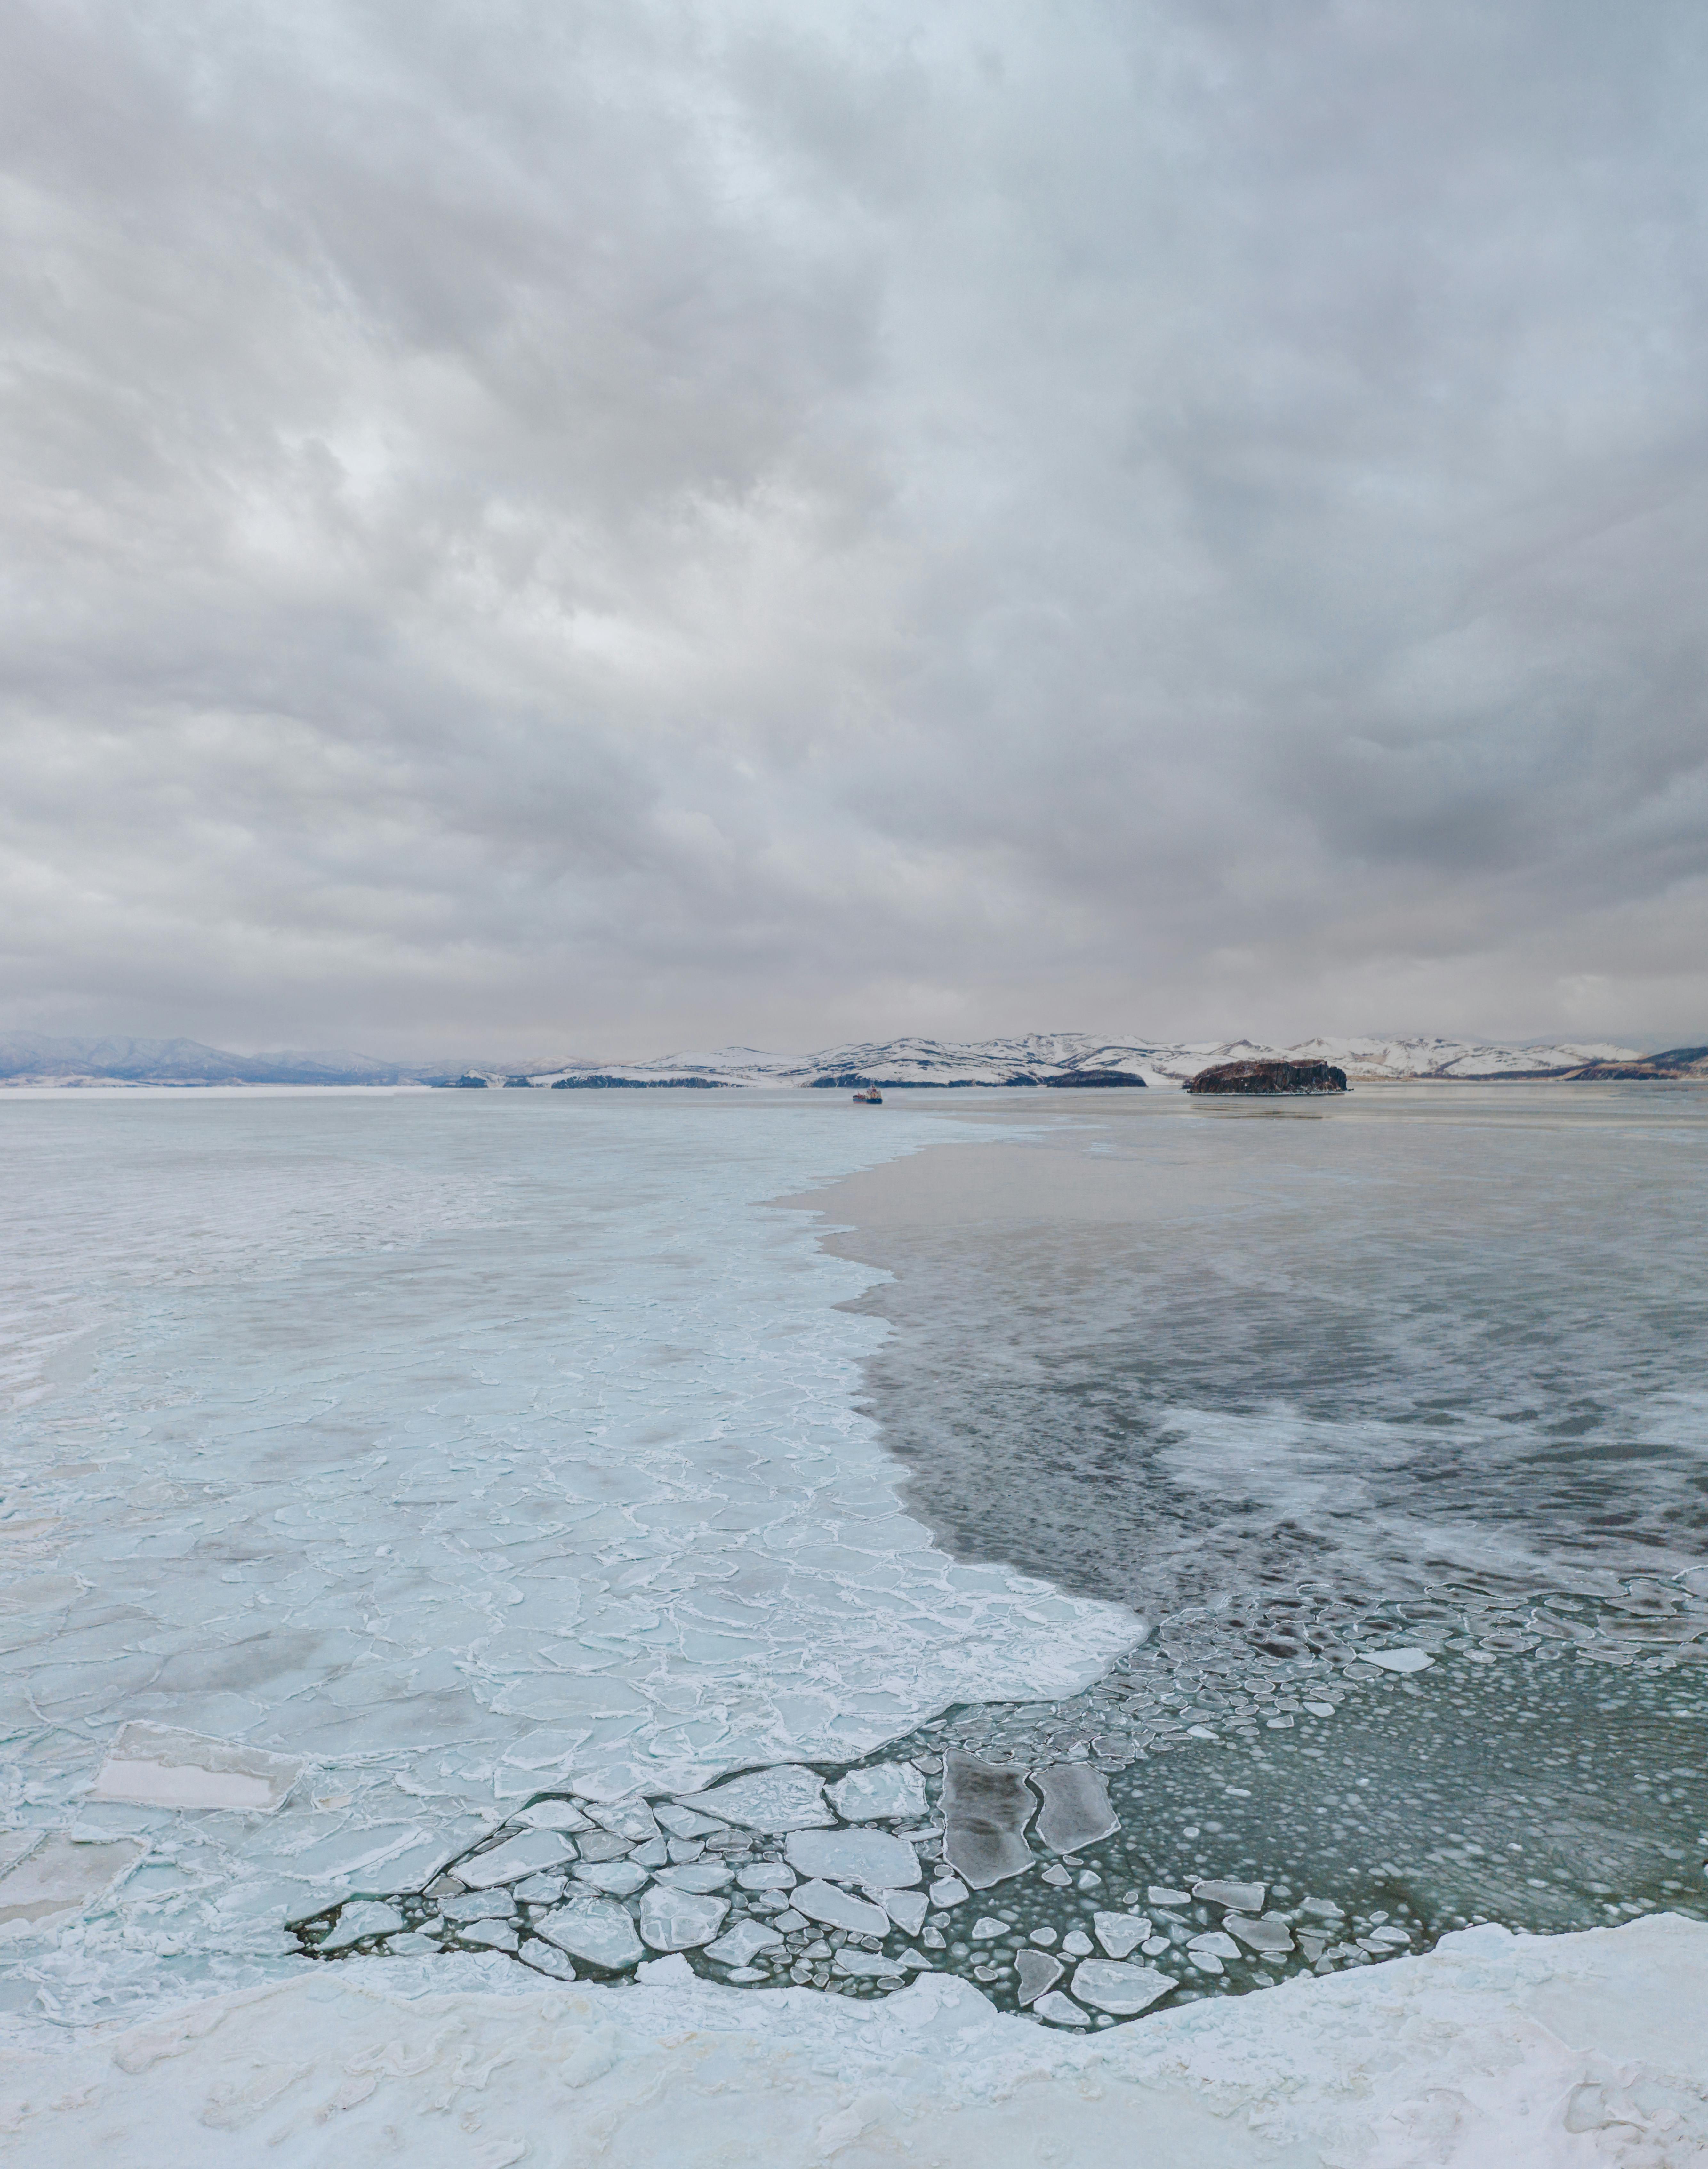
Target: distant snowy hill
[1033, 1059]
[29, 1058]
[1040, 1057]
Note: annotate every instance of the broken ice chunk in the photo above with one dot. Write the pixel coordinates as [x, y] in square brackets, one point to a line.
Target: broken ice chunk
[672, 1919]
[553, 1815]
[766, 1875]
[887, 1792]
[654, 1853]
[840, 1908]
[517, 1858]
[1153, 1946]
[1077, 1943]
[868, 1963]
[477, 1906]
[1268, 1934]
[1243, 1897]
[984, 1930]
[701, 1875]
[60, 1875]
[1397, 1661]
[1120, 1934]
[595, 1929]
[159, 1767]
[1158, 1896]
[1059, 2010]
[1077, 1810]
[986, 1809]
[683, 1822]
[906, 1908]
[1123, 1990]
[617, 1878]
[1218, 1945]
[546, 1957]
[785, 1799]
[1037, 1973]
[738, 1945]
[870, 1856]
[358, 1921]
[630, 1818]
[496, 1935]
[948, 1891]
[601, 1845]
[788, 1921]
[539, 1889]
[663, 1973]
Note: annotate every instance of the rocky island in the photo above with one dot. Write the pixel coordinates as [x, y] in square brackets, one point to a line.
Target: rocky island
[1268, 1077]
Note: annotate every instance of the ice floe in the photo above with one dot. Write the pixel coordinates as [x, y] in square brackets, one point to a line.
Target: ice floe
[1077, 1810]
[886, 1792]
[986, 1809]
[873, 1857]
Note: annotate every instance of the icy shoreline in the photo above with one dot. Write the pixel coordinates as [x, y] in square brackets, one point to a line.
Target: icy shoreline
[1527, 2052]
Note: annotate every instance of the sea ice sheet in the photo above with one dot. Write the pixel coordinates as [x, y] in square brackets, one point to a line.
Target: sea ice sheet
[1077, 1810]
[986, 1810]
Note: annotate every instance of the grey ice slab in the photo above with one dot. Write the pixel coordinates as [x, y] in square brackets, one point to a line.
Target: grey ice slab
[597, 1929]
[1263, 1935]
[868, 1963]
[479, 1905]
[1120, 1934]
[677, 1919]
[156, 1767]
[788, 1798]
[701, 1875]
[630, 1818]
[986, 1810]
[366, 1917]
[889, 1792]
[527, 1854]
[870, 1857]
[1077, 1810]
[738, 1945]
[1060, 2010]
[1037, 1973]
[553, 1815]
[840, 1908]
[1243, 1897]
[617, 1878]
[493, 1935]
[1214, 1944]
[546, 1957]
[683, 1822]
[906, 1908]
[1123, 1990]
[766, 1875]
[59, 1876]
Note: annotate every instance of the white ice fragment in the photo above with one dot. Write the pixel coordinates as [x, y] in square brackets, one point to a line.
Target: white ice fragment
[785, 1799]
[1205, 1961]
[366, 1917]
[546, 1957]
[766, 1875]
[1059, 1877]
[1218, 1945]
[595, 1929]
[1397, 1661]
[1120, 1934]
[1123, 1990]
[677, 1919]
[1060, 2010]
[1077, 1943]
[1153, 1946]
[1268, 1934]
[886, 1791]
[665, 1973]
[984, 1930]
[737, 1946]
[742, 1973]
[866, 1962]
[1320, 1708]
[617, 1878]
[654, 1853]
[1243, 1897]
[870, 1857]
[788, 1921]
[157, 1766]
[701, 1875]
[840, 1908]
[630, 1818]
[1037, 1973]
[906, 1908]
[683, 1822]
[496, 1935]
[553, 1815]
[60, 1875]
[517, 1856]
[1158, 1896]
[948, 1891]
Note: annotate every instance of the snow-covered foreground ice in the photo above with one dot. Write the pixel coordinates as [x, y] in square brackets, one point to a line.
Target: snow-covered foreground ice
[1492, 2052]
[421, 1454]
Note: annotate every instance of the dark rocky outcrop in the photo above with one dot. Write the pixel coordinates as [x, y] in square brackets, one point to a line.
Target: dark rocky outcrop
[642, 1085]
[1676, 1062]
[1268, 1077]
[1097, 1079]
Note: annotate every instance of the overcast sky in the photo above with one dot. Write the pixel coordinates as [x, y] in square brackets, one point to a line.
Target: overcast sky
[584, 529]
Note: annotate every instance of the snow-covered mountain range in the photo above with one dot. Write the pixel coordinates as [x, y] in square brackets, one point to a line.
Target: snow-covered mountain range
[1041, 1058]
[1046, 1057]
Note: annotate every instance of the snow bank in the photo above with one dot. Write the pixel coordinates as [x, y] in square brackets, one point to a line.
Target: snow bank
[1516, 2053]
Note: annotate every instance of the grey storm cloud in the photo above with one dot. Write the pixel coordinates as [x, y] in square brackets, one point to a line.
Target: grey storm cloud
[590, 528]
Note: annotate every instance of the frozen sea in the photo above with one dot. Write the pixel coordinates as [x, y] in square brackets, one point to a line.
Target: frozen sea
[1328, 1478]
